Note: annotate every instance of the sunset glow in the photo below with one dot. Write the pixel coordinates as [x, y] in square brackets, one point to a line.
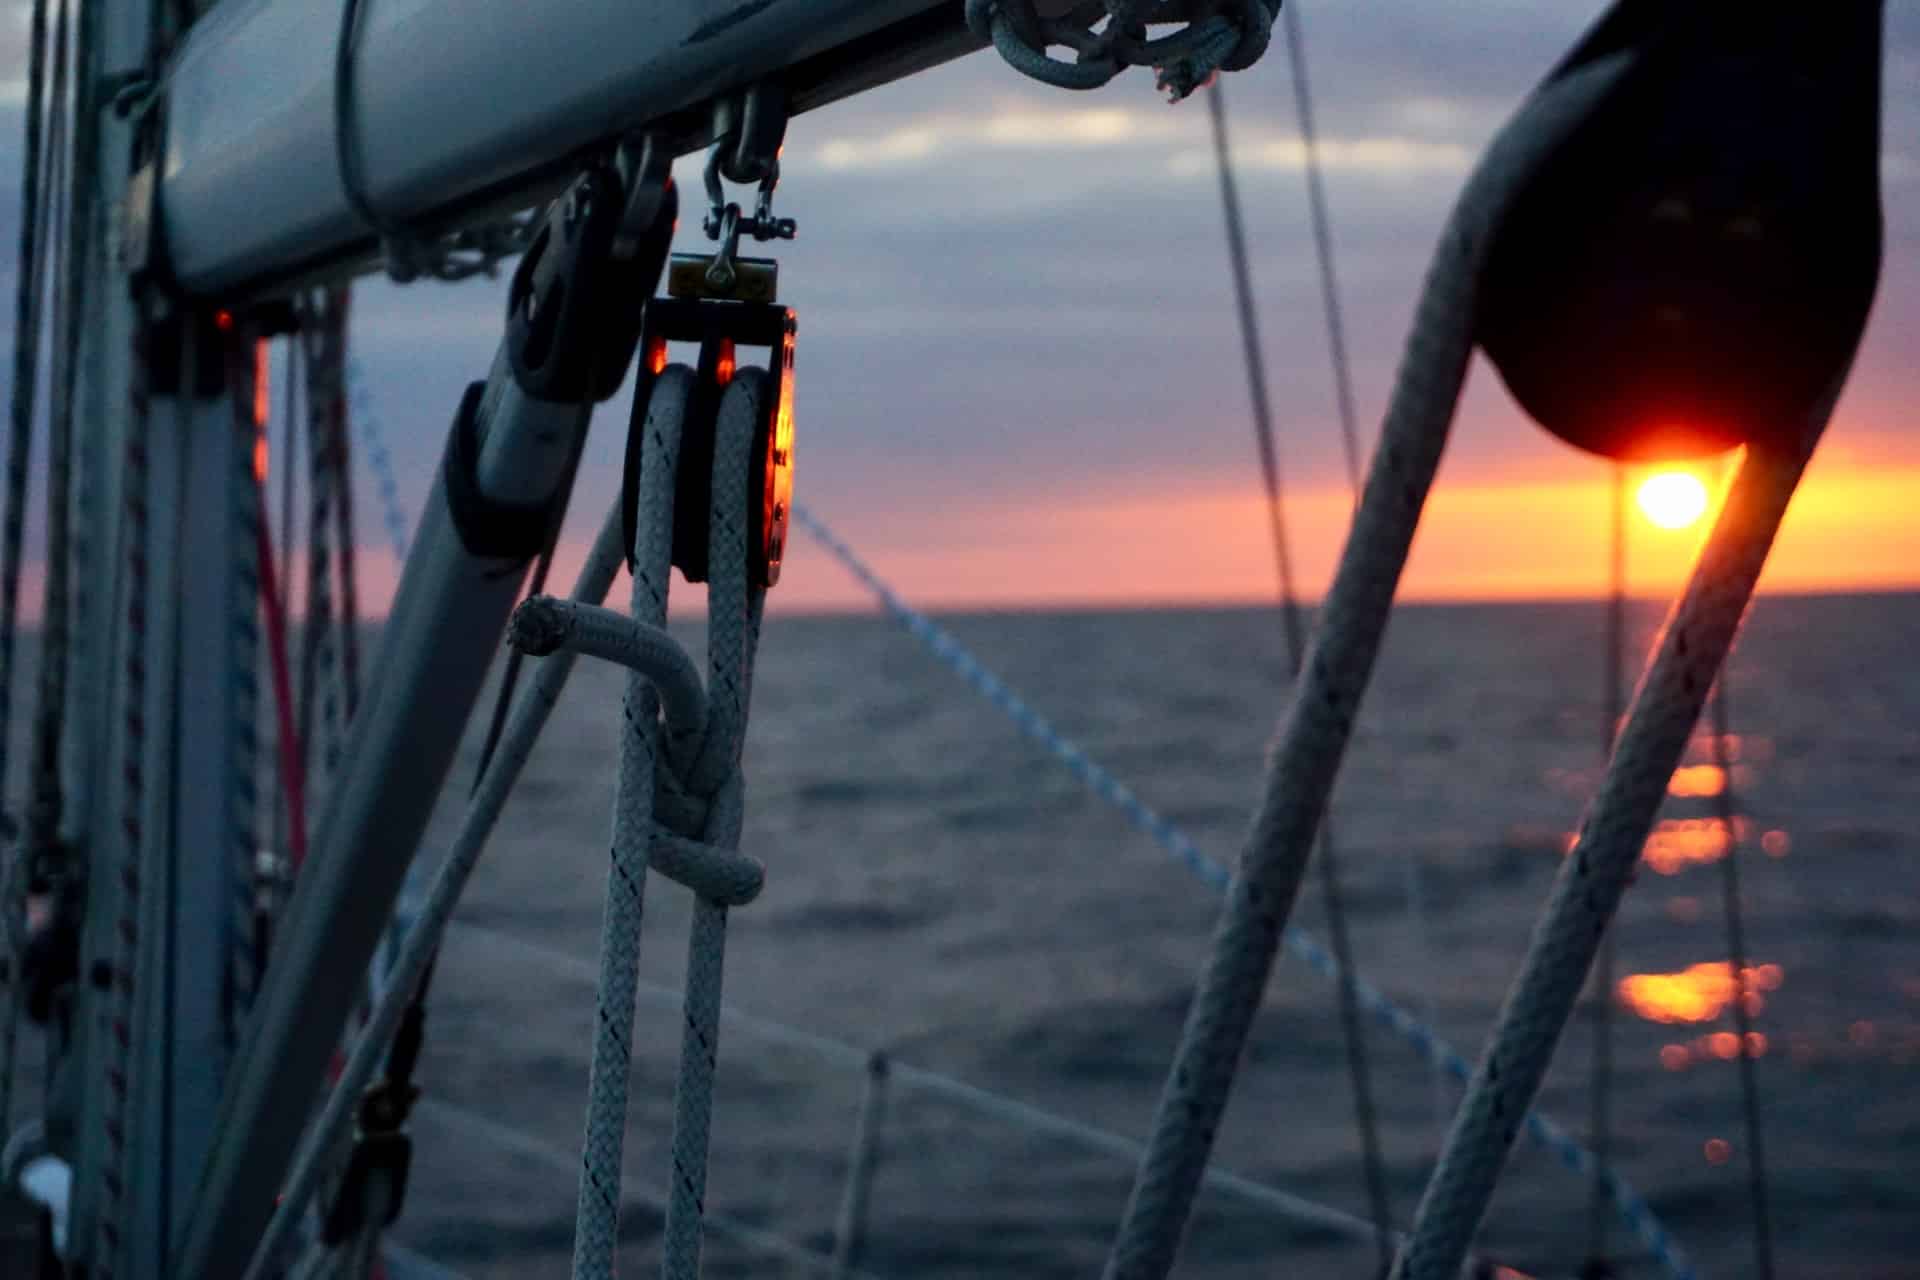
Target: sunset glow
[1673, 499]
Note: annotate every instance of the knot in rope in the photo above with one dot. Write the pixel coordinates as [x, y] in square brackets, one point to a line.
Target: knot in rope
[699, 800]
[1219, 35]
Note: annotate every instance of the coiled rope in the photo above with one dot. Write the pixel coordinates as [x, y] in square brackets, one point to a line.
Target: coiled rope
[1220, 35]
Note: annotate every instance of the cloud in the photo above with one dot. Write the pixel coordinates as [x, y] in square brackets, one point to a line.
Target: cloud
[1181, 144]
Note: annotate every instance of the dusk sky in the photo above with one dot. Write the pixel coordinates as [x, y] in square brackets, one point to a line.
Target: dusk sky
[1020, 380]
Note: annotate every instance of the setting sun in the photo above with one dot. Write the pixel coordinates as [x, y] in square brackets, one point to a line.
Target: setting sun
[1673, 499]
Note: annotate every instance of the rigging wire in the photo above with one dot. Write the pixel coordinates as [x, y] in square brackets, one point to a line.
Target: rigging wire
[286, 728]
[1373, 1159]
[341, 449]
[319, 720]
[1742, 1015]
[1345, 404]
[1600, 996]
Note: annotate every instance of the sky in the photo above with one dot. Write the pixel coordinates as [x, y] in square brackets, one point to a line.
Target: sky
[1020, 379]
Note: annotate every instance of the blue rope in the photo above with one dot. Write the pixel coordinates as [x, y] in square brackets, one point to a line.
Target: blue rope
[1634, 1210]
[379, 459]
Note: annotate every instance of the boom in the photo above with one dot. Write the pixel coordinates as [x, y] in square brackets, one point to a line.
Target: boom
[462, 106]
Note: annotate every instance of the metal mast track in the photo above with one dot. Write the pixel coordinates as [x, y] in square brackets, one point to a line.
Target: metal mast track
[250, 197]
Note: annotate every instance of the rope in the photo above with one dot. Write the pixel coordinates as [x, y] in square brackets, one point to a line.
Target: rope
[47, 865]
[1600, 1000]
[286, 734]
[711, 779]
[1420, 940]
[1313, 735]
[1224, 35]
[251, 590]
[1373, 1162]
[421, 944]
[126, 935]
[378, 459]
[317, 656]
[1425, 1042]
[34, 211]
[1595, 874]
[597, 1218]
[1742, 1016]
[733, 635]
[286, 726]
[338, 300]
[28, 288]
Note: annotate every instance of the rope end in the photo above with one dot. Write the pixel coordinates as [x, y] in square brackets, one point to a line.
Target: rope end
[537, 628]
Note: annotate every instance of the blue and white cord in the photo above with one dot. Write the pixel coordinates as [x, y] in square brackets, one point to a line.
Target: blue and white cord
[1634, 1210]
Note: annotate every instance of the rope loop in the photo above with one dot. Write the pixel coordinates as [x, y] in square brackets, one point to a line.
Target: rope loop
[698, 793]
[1218, 35]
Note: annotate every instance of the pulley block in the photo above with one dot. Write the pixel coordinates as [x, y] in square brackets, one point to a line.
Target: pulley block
[1693, 269]
[721, 327]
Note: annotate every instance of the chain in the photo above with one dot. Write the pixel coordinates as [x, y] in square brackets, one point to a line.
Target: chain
[1219, 35]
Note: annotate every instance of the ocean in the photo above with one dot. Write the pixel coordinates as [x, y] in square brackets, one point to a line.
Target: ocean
[941, 889]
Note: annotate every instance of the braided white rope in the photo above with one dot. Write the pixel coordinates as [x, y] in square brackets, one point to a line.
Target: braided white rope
[1319, 720]
[733, 636]
[597, 1217]
[422, 942]
[1592, 880]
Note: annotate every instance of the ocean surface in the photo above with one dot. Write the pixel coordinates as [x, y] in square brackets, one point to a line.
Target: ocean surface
[947, 893]
[942, 889]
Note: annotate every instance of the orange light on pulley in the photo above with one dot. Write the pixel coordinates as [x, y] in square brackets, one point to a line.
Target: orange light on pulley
[262, 384]
[262, 409]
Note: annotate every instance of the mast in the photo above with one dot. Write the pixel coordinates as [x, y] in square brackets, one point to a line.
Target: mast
[153, 1033]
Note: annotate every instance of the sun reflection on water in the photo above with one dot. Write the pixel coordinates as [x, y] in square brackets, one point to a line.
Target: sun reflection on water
[1698, 993]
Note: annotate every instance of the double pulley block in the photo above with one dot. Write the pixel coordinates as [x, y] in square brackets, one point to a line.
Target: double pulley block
[582, 301]
[722, 328]
[725, 303]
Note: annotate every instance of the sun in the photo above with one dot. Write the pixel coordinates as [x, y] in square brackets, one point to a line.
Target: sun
[1673, 499]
